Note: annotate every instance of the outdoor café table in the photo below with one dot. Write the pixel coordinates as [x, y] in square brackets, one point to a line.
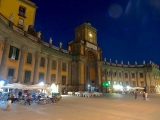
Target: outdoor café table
[78, 94]
[69, 93]
[97, 94]
[87, 94]
[43, 100]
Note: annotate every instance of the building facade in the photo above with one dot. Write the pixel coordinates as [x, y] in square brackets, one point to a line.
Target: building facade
[26, 58]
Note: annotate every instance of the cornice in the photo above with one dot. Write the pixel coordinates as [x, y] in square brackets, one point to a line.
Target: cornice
[29, 3]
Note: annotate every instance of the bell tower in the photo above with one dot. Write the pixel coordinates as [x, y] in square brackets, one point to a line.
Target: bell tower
[86, 65]
[86, 32]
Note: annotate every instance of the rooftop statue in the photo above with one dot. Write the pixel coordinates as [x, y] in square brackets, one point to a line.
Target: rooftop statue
[39, 34]
[60, 44]
[50, 40]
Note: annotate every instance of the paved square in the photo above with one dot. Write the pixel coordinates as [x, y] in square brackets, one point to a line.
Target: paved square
[109, 107]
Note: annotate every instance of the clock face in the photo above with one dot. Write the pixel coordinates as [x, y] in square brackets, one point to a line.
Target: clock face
[90, 34]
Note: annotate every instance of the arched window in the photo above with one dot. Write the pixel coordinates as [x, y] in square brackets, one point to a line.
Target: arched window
[90, 56]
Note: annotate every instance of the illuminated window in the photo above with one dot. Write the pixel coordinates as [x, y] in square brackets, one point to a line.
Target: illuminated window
[63, 66]
[54, 63]
[141, 75]
[27, 76]
[10, 72]
[127, 83]
[126, 75]
[13, 53]
[22, 11]
[90, 56]
[42, 64]
[41, 77]
[63, 80]
[133, 75]
[53, 78]
[142, 84]
[29, 58]
[134, 84]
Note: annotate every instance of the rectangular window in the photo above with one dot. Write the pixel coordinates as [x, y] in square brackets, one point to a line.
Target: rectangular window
[134, 84]
[29, 58]
[22, 11]
[10, 72]
[63, 66]
[108, 73]
[133, 75]
[27, 76]
[13, 53]
[41, 77]
[142, 84]
[141, 75]
[54, 63]
[127, 83]
[63, 80]
[126, 75]
[42, 64]
[115, 74]
[119, 75]
[53, 78]
[120, 83]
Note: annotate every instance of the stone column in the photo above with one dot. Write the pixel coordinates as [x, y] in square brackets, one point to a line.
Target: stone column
[137, 78]
[69, 73]
[59, 72]
[48, 76]
[79, 73]
[97, 78]
[36, 63]
[4, 58]
[130, 82]
[145, 80]
[86, 77]
[116, 77]
[21, 64]
[111, 83]
[123, 78]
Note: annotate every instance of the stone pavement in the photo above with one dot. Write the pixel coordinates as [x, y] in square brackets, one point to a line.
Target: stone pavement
[109, 107]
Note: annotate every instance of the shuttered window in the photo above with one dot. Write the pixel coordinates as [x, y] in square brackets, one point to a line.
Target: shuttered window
[27, 76]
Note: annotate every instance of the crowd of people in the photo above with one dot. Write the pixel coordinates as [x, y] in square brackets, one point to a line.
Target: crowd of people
[27, 97]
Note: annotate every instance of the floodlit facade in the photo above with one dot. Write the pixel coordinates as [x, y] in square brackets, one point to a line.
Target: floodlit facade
[26, 58]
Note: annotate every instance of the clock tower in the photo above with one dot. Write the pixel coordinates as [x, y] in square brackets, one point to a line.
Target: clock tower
[86, 65]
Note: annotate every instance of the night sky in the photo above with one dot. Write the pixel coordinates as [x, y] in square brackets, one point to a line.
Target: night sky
[128, 30]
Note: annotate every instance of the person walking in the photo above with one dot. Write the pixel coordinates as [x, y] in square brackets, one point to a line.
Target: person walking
[135, 93]
[8, 107]
[146, 95]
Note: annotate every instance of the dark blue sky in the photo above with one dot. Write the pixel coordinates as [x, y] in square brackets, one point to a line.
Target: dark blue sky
[128, 30]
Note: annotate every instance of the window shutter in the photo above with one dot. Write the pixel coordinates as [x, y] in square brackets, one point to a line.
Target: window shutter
[17, 54]
[10, 52]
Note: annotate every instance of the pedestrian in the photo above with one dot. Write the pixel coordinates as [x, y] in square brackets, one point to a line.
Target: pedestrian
[146, 95]
[8, 107]
[29, 99]
[135, 93]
